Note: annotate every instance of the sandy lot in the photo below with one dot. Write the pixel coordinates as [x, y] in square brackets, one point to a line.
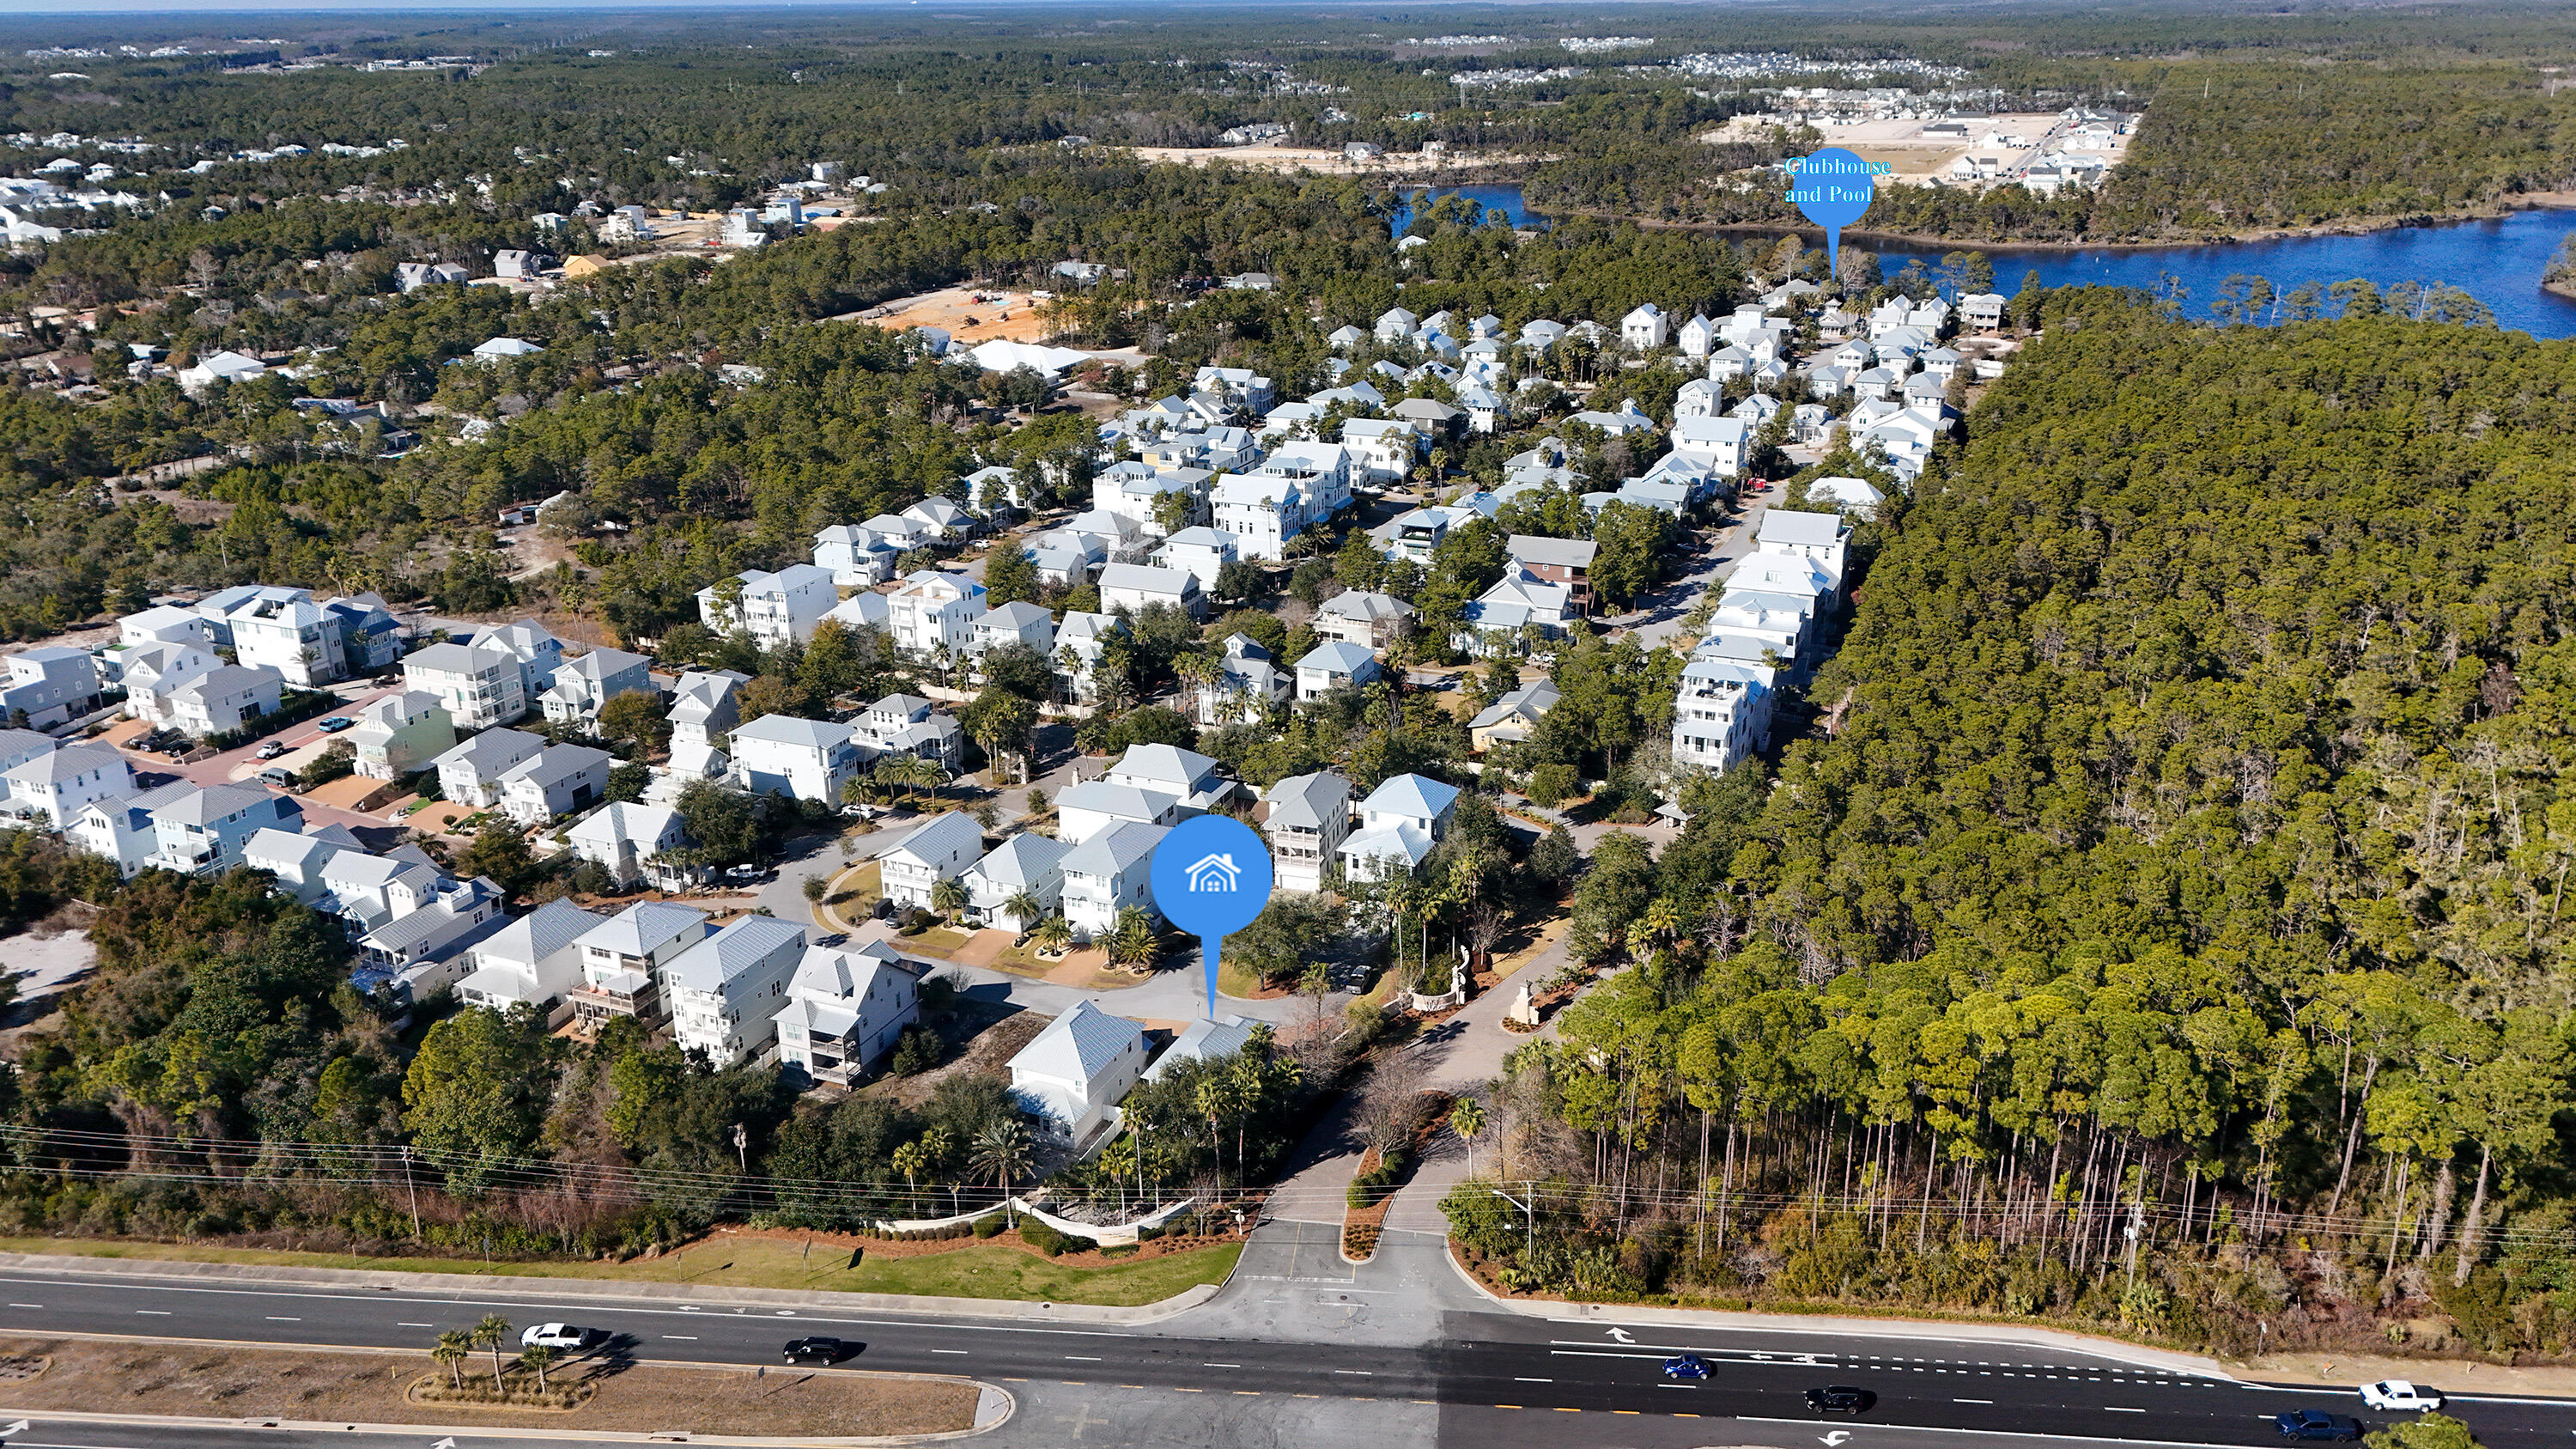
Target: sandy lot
[1009, 317]
[314, 1384]
[1913, 159]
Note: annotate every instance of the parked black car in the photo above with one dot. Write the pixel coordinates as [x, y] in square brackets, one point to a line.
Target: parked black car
[1840, 1399]
[818, 1349]
[2318, 1424]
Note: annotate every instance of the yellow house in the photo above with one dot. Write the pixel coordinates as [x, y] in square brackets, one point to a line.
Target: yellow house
[589, 266]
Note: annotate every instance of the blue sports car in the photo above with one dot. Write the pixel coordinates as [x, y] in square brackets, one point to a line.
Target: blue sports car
[1686, 1366]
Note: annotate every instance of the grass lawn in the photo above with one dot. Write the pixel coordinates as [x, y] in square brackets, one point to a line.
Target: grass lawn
[978, 1270]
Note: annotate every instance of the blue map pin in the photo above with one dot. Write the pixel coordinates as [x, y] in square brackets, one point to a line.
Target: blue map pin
[1211, 876]
[1832, 187]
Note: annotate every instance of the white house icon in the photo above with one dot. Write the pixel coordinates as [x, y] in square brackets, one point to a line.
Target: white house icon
[1213, 872]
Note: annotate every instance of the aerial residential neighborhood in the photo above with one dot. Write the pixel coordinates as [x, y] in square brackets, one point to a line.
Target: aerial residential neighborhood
[1175, 729]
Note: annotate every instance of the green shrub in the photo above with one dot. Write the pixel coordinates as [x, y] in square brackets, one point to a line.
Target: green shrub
[989, 1226]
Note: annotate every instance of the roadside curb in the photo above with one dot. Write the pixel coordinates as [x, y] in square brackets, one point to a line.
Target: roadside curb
[1916, 1330]
[486, 1431]
[463, 1285]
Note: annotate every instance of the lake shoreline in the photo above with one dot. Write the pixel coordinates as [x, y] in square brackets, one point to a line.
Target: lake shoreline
[2527, 201]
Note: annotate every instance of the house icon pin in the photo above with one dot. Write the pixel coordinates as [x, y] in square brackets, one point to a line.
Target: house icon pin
[1214, 872]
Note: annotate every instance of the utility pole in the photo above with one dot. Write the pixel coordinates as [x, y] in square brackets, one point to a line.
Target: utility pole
[2137, 1222]
[414, 1190]
[1528, 1209]
[741, 1146]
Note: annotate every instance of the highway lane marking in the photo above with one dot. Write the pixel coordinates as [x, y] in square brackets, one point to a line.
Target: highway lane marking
[1564, 1410]
[1305, 1396]
[681, 1337]
[1220, 1365]
[1533, 1381]
[1363, 1373]
[1176, 1389]
[1629, 1412]
[2116, 1409]
[1972, 1401]
[273, 1318]
[415, 1325]
[2018, 1434]
[1247, 1393]
[961, 1353]
[1081, 1358]
[153, 1312]
[26, 1305]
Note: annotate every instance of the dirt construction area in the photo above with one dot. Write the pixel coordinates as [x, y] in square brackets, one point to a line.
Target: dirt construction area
[225, 1381]
[1008, 317]
[1320, 161]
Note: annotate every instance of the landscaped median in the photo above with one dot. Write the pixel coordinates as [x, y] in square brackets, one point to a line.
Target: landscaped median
[997, 1268]
[39, 1374]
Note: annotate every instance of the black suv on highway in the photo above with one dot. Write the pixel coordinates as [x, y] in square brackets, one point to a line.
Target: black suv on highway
[2317, 1424]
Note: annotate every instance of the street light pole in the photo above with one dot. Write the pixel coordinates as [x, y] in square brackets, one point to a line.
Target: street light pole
[1529, 1210]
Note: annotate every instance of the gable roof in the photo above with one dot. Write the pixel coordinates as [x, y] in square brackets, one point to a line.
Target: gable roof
[1821, 530]
[1163, 763]
[1528, 702]
[1572, 553]
[1023, 859]
[642, 925]
[940, 836]
[538, 934]
[1417, 796]
[742, 944]
[1308, 802]
[787, 729]
[1079, 1045]
[1337, 657]
[1114, 850]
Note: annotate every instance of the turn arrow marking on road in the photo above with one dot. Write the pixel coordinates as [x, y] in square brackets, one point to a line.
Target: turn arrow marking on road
[1621, 1334]
[1834, 1438]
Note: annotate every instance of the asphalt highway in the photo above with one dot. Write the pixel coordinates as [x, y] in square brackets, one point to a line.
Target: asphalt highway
[1491, 1363]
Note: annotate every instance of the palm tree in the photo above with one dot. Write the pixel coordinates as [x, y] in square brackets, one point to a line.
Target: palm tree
[534, 1359]
[1054, 933]
[1467, 1119]
[935, 1147]
[1024, 908]
[1132, 944]
[489, 1334]
[910, 1160]
[1002, 1150]
[948, 896]
[453, 1348]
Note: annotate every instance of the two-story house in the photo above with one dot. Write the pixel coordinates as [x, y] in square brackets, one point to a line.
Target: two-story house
[202, 832]
[723, 993]
[810, 759]
[479, 685]
[932, 611]
[776, 608]
[535, 959]
[622, 957]
[582, 685]
[856, 556]
[1335, 665]
[1399, 823]
[1262, 510]
[1202, 553]
[1014, 623]
[1091, 807]
[49, 685]
[846, 1009]
[1512, 718]
[1246, 685]
[471, 772]
[1197, 781]
[940, 848]
[1566, 561]
[56, 785]
[1073, 1075]
[287, 631]
[907, 724]
[222, 699]
[1107, 873]
[1137, 587]
[623, 837]
[557, 780]
[1373, 621]
[1025, 864]
[1306, 817]
[401, 733]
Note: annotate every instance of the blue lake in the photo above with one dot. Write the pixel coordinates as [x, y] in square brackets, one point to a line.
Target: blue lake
[2497, 261]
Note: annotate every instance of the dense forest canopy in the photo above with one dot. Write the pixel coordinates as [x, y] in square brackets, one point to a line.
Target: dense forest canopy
[2185, 838]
